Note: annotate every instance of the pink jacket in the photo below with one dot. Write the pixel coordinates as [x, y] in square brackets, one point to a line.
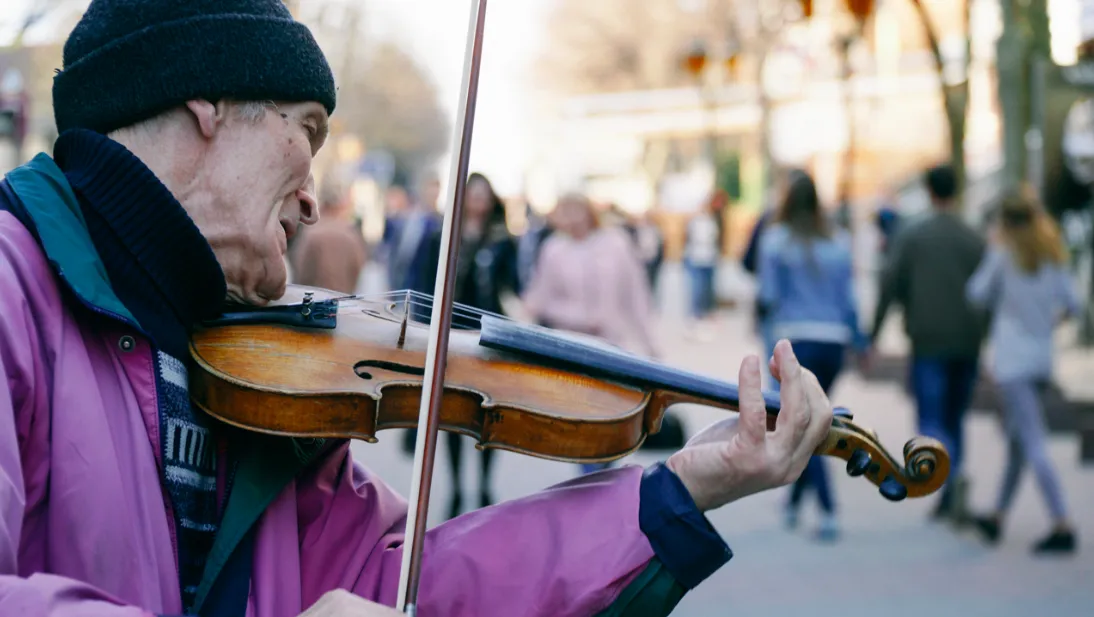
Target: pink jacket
[596, 285]
[85, 529]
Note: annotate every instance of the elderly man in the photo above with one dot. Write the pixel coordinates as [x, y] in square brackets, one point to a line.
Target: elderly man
[187, 132]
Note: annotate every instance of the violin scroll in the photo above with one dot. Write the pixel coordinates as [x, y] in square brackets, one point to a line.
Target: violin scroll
[926, 462]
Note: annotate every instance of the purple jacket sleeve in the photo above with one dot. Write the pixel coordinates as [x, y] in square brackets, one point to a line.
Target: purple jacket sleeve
[568, 550]
[36, 595]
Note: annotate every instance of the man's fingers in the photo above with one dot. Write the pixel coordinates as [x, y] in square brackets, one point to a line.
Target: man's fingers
[753, 414]
[820, 414]
[793, 409]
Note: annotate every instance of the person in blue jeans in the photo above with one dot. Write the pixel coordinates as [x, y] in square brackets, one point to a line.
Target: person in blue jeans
[702, 251]
[806, 295]
[926, 270]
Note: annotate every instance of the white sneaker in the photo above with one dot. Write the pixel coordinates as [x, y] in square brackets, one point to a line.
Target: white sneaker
[791, 518]
[829, 529]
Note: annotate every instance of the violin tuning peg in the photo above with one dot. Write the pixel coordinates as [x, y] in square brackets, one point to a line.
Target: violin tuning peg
[858, 463]
[843, 412]
[892, 489]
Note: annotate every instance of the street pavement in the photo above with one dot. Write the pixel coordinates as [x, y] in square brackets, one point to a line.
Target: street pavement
[889, 560]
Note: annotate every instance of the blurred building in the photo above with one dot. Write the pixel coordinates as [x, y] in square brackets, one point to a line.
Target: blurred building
[646, 149]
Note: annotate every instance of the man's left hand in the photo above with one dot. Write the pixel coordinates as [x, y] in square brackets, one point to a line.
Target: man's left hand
[738, 456]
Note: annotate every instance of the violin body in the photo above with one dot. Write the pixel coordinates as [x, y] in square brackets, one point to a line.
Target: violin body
[356, 380]
[314, 367]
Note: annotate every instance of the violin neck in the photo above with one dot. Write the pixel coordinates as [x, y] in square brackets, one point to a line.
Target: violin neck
[587, 356]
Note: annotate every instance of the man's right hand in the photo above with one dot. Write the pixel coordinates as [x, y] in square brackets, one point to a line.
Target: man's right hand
[341, 603]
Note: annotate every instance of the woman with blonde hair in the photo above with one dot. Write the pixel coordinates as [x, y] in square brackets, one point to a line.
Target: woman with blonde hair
[1023, 280]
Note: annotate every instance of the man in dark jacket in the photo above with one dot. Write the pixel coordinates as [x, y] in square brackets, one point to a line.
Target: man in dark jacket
[930, 262]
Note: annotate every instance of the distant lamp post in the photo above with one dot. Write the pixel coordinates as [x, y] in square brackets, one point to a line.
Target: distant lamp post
[696, 60]
[695, 63]
[861, 9]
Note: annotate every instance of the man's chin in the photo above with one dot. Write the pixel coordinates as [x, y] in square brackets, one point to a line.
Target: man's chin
[273, 291]
[257, 297]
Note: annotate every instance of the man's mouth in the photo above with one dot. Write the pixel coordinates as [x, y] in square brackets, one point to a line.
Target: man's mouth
[289, 227]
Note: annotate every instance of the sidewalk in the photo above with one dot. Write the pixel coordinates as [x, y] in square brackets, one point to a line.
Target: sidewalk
[891, 561]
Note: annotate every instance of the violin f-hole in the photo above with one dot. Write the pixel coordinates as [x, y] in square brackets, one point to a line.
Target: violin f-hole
[361, 368]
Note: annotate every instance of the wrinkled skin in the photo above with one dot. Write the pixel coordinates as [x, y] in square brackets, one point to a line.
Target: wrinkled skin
[738, 456]
[341, 603]
[246, 183]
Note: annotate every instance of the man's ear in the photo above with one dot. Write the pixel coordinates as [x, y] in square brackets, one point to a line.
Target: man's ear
[209, 116]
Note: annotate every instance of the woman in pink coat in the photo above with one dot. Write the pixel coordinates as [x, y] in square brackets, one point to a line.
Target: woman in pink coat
[187, 133]
[589, 279]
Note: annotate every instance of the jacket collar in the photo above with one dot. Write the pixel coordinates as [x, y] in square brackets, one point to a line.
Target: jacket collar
[41, 186]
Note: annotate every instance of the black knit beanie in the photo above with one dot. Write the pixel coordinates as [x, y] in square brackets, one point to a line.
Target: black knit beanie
[128, 60]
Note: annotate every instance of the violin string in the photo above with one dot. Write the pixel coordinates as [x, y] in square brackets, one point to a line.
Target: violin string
[469, 315]
[462, 311]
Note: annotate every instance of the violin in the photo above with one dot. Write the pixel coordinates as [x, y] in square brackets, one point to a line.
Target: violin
[318, 366]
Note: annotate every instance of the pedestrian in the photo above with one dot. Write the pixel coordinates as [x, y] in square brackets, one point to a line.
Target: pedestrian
[1024, 281]
[806, 295]
[590, 280]
[486, 269]
[925, 273]
[704, 237]
[331, 253]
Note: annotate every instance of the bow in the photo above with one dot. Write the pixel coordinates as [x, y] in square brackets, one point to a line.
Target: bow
[425, 449]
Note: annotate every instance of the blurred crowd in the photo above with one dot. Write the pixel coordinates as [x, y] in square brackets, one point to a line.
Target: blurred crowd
[593, 269]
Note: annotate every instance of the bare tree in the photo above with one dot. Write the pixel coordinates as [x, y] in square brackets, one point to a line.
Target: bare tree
[955, 96]
[609, 45]
[390, 102]
[384, 96]
[612, 45]
[38, 11]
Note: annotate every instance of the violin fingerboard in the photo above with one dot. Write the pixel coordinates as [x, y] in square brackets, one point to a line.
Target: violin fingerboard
[594, 356]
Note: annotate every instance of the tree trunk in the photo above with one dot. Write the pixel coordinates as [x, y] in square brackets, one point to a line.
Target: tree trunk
[955, 98]
[1010, 63]
[764, 101]
[847, 173]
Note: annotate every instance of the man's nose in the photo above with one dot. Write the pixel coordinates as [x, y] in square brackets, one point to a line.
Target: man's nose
[309, 209]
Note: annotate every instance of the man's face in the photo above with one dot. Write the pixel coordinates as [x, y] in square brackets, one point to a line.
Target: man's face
[258, 191]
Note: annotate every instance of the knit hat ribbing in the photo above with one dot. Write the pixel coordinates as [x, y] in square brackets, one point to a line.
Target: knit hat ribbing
[128, 60]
